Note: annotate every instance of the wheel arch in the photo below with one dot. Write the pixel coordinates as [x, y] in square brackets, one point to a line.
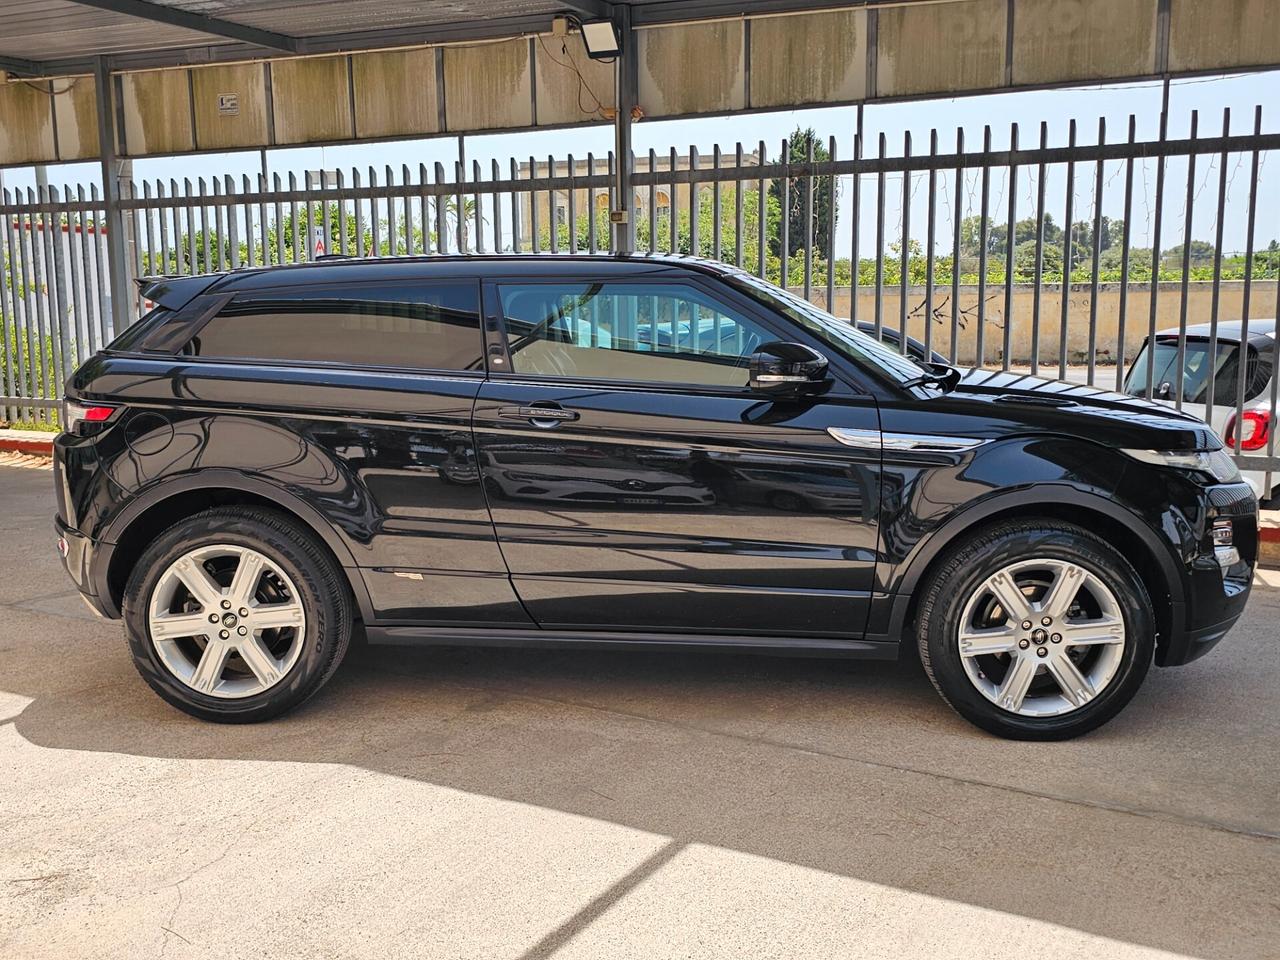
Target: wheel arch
[128, 533]
[1134, 539]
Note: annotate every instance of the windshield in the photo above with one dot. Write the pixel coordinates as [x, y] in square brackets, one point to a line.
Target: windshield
[1197, 364]
[841, 335]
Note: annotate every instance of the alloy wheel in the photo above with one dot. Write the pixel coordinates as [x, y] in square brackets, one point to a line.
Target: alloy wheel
[1041, 637]
[226, 621]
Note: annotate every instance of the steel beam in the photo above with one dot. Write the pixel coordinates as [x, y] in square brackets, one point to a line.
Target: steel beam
[591, 9]
[625, 85]
[23, 68]
[117, 252]
[174, 17]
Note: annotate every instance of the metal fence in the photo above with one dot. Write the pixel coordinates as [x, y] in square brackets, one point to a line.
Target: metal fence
[942, 244]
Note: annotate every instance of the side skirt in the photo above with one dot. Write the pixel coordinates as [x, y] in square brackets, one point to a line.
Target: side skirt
[784, 646]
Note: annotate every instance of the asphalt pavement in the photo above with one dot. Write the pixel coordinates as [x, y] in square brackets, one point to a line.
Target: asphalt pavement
[527, 804]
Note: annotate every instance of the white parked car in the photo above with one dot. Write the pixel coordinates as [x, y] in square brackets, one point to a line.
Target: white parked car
[1259, 416]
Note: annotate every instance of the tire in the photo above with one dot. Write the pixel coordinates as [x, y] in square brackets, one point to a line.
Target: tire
[298, 583]
[959, 601]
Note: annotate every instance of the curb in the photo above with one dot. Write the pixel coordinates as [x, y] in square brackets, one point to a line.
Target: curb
[30, 445]
[1269, 540]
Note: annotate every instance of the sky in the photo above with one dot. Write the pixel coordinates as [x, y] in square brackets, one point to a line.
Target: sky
[1207, 95]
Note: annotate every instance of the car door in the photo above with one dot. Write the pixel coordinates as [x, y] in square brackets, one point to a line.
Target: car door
[636, 483]
[358, 396]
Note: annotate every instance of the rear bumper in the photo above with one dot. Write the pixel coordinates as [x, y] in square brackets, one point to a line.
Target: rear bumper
[77, 552]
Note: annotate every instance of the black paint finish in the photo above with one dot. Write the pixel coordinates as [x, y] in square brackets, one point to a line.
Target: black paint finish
[469, 503]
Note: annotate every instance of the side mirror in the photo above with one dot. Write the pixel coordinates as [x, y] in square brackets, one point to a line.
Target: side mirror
[787, 368]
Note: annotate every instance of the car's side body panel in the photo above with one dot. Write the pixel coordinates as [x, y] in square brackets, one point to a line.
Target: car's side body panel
[386, 458]
[656, 514]
[657, 509]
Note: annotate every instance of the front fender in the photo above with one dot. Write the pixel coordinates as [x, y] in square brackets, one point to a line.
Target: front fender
[906, 576]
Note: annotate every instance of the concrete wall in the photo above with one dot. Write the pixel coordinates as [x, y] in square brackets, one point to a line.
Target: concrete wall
[1262, 311]
[760, 62]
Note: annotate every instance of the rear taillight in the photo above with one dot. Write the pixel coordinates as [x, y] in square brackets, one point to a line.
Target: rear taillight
[1255, 430]
[84, 419]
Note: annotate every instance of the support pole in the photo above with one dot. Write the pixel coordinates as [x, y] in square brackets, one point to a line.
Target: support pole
[117, 250]
[625, 86]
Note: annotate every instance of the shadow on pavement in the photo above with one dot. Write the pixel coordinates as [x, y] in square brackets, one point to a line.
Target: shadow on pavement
[1148, 832]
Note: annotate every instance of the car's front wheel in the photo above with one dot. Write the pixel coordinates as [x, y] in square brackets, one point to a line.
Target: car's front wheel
[1036, 630]
[236, 615]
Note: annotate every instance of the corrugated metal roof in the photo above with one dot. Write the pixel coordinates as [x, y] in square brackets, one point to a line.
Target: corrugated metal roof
[64, 33]
[312, 17]
[55, 30]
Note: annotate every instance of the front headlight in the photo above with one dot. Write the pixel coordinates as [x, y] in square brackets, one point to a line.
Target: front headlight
[1216, 463]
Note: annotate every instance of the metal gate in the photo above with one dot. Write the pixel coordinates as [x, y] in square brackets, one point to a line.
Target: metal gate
[938, 243]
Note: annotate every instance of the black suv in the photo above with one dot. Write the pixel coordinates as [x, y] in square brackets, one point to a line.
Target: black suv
[610, 451]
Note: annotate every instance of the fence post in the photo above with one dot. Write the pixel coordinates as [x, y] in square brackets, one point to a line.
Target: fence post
[117, 252]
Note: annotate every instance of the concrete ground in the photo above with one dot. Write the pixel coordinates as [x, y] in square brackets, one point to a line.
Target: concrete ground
[526, 804]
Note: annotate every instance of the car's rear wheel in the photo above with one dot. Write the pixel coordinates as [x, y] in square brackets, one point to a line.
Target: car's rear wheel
[236, 615]
[1036, 630]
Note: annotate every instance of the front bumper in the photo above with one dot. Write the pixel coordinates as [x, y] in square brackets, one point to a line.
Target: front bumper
[77, 552]
[1215, 596]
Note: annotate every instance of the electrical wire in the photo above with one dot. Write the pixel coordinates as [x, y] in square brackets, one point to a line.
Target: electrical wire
[49, 92]
[582, 81]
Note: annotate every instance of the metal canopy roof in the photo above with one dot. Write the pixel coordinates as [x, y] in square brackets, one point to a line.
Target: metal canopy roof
[50, 37]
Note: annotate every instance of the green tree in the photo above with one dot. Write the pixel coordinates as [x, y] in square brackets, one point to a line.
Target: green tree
[1202, 254]
[802, 235]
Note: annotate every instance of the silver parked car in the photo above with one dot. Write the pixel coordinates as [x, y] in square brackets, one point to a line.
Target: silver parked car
[1206, 366]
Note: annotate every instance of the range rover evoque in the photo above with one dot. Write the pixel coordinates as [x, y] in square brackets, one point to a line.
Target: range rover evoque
[623, 451]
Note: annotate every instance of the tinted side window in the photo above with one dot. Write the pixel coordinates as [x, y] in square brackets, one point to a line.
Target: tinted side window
[1197, 366]
[133, 336]
[654, 332]
[425, 326]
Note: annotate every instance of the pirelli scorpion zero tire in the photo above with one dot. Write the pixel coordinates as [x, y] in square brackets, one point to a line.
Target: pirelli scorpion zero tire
[1036, 630]
[237, 615]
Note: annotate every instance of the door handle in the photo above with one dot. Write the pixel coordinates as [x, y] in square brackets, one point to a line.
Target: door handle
[544, 417]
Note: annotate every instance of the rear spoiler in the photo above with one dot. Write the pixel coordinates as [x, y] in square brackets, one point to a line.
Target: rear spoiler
[173, 293]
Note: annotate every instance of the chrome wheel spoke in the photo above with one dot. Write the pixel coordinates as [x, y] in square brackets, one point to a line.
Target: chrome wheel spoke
[259, 659]
[209, 670]
[1075, 686]
[1017, 681]
[983, 642]
[273, 616]
[1067, 580]
[176, 626]
[1092, 633]
[1014, 602]
[244, 586]
[197, 580]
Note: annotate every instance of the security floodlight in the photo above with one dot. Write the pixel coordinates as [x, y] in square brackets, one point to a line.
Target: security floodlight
[601, 39]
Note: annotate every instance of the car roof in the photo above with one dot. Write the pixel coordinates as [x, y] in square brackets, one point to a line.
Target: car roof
[339, 269]
[1261, 331]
